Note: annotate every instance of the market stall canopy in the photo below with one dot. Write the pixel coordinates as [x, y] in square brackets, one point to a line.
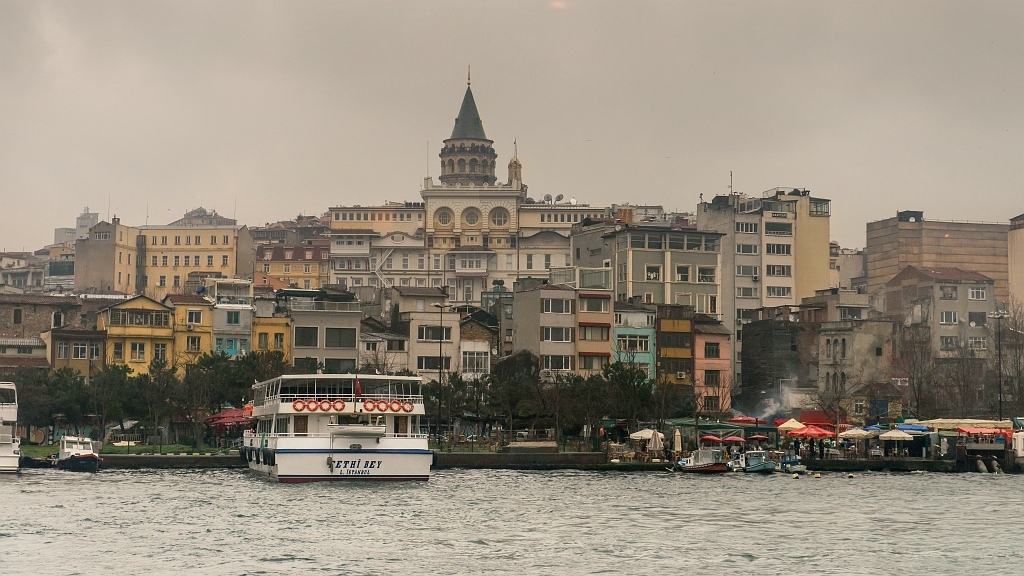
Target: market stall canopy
[733, 439]
[645, 434]
[810, 432]
[229, 417]
[714, 439]
[704, 424]
[791, 424]
[856, 434]
[912, 427]
[1007, 435]
[895, 435]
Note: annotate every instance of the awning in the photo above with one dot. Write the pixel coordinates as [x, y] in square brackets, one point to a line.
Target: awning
[791, 424]
[229, 417]
[953, 423]
[1007, 435]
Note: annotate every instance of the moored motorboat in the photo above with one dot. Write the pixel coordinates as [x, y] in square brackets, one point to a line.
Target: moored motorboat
[76, 454]
[10, 444]
[791, 463]
[313, 427]
[757, 461]
[703, 461]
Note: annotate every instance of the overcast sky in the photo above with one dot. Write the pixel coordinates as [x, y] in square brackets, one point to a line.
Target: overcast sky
[270, 109]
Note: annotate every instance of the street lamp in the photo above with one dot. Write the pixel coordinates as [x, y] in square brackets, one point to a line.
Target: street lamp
[998, 317]
[440, 361]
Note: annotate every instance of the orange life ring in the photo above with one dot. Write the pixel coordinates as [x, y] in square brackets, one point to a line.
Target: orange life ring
[325, 405]
[339, 405]
[312, 405]
[369, 405]
[396, 406]
[299, 405]
[382, 405]
[407, 406]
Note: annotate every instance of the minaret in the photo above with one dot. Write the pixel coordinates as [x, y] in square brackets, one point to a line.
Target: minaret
[468, 156]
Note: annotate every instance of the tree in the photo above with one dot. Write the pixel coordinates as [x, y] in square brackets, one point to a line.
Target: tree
[195, 393]
[156, 389]
[960, 375]
[630, 389]
[107, 390]
[69, 396]
[512, 381]
[915, 358]
[1013, 355]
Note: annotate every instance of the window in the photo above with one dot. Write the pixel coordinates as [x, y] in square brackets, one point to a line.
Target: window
[779, 249]
[594, 304]
[278, 340]
[976, 293]
[947, 317]
[177, 240]
[711, 403]
[431, 362]
[557, 362]
[622, 272]
[162, 281]
[160, 351]
[177, 260]
[468, 292]
[947, 292]
[209, 260]
[547, 261]
[153, 260]
[948, 342]
[637, 240]
[682, 274]
[187, 261]
[62, 350]
[713, 378]
[778, 270]
[711, 350]
[193, 343]
[338, 365]
[745, 292]
[138, 352]
[693, 242]
[94, 350]
[778, 229]
[262, 339]
[747, 227]
[596, 333]
[556, 334]
[476, 362]
[633, 343]
[340, 338]
[118, 352]
[163, 260]
[306, 268]
[976, 318]
[976, 343]
[213, 239]
[434, 333]
[306, 336]
[499, 217]
[594, 362]
[654, 241]
[195, 316]
[557, 306]
[858, 407]
[746, 248]
[653, 273]
[780, 291]
[177, 281]
[444, 218]
[234, 318]
[224, 260]
[705, 275]
[846, 313]
[79, 351]
[746, 270]
[674, 339]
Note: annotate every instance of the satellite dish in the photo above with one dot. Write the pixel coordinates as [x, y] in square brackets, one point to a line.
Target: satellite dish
[547, 197]
[572, 201]
[973, 324]
[494, 351]
[559, 198]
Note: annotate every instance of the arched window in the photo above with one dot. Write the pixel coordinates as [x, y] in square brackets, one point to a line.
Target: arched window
[443, 166]
[842, 382]
[483, 167]
[843, 346]
[451, 167]
[835, 381]
[828, 381]
[462, 165]
[472, 166]
[499, 217]
[828, 349]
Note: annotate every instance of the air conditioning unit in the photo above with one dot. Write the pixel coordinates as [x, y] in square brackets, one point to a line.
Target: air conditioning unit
[754, 278]
[190, 327]
[681, 375]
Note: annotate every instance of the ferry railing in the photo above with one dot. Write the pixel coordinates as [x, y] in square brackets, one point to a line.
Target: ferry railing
[251, 434]
[348, 398]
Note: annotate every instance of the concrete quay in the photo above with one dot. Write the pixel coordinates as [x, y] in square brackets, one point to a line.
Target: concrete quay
[169, 461]
[881, 465]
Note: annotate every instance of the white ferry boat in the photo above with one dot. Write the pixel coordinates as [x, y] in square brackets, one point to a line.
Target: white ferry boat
[316, 427]
[10, 444]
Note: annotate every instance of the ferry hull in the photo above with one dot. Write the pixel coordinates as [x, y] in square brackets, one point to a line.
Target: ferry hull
[9, 459]
[324, 465]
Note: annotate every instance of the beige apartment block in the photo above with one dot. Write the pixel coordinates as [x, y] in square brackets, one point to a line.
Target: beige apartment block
[909, 240]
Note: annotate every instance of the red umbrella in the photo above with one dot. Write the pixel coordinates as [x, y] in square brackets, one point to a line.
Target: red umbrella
[810, 432]
[735, 439]
[757, 437]
[709, 438]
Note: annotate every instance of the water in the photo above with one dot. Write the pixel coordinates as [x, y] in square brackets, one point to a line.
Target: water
[505, 522]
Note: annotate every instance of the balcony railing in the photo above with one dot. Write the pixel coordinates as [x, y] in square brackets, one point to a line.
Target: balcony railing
[320, 306]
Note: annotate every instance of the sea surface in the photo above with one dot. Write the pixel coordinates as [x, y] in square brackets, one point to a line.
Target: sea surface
[229, 522]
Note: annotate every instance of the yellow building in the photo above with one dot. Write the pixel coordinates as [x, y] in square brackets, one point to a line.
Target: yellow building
[193, 327]
[272, 333]
[301, 266]
[138, 330]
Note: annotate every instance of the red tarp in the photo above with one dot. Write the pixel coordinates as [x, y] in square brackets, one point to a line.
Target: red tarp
[817, 417]
[1005, 433]
[810, 432]
[229, 417]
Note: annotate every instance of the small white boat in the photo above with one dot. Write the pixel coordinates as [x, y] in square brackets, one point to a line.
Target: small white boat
[791, 463]
[76, 454]
[703, 461]
[10, 444]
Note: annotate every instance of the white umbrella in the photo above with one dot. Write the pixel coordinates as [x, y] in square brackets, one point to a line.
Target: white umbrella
[855, 434]
[791, 424]
[677, 441]
[656, 445]
[896, 435]
[645, 434]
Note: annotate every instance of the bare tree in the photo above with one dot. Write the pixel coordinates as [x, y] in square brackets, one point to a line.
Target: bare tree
[1013, 355]
[915, 357]
[961, 375]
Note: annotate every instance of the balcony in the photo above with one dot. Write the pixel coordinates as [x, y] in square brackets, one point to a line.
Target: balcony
[320, 306]
[583, 278]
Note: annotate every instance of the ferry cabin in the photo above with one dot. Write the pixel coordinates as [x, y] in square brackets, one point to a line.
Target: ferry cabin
[10, 452]
[338, 427]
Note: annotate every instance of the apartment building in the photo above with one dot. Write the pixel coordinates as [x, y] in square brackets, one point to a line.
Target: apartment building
[192, 326]
[431, 324]
[325, 329]
[17, 353]
[635, 336]
[712, 365]
[233, 313]
[908, 239]
[271, 327]
[303, 265]
[29, 315]
[675, 343]
[775, 251]
[77, 348]
[544, 323]
[139, 330]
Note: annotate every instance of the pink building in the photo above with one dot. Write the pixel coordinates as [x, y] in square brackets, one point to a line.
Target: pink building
[712, 370]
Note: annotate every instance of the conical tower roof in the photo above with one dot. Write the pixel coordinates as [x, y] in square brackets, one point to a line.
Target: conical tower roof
[468, 124]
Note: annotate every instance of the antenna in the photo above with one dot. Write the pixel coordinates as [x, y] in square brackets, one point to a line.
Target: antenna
[469, 69]
[730, 182]
[428, 158]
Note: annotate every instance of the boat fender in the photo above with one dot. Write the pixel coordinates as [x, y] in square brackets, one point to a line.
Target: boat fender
[369, 405]
[817, 475]
[338, 405]
[299, 405]
[396, 406]
[980, 464]
[407, 406]
[849, 475]
[382, 405]
[325, 405]
[312, 405]
[330, 463]
[258, 456]
[796, 476]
